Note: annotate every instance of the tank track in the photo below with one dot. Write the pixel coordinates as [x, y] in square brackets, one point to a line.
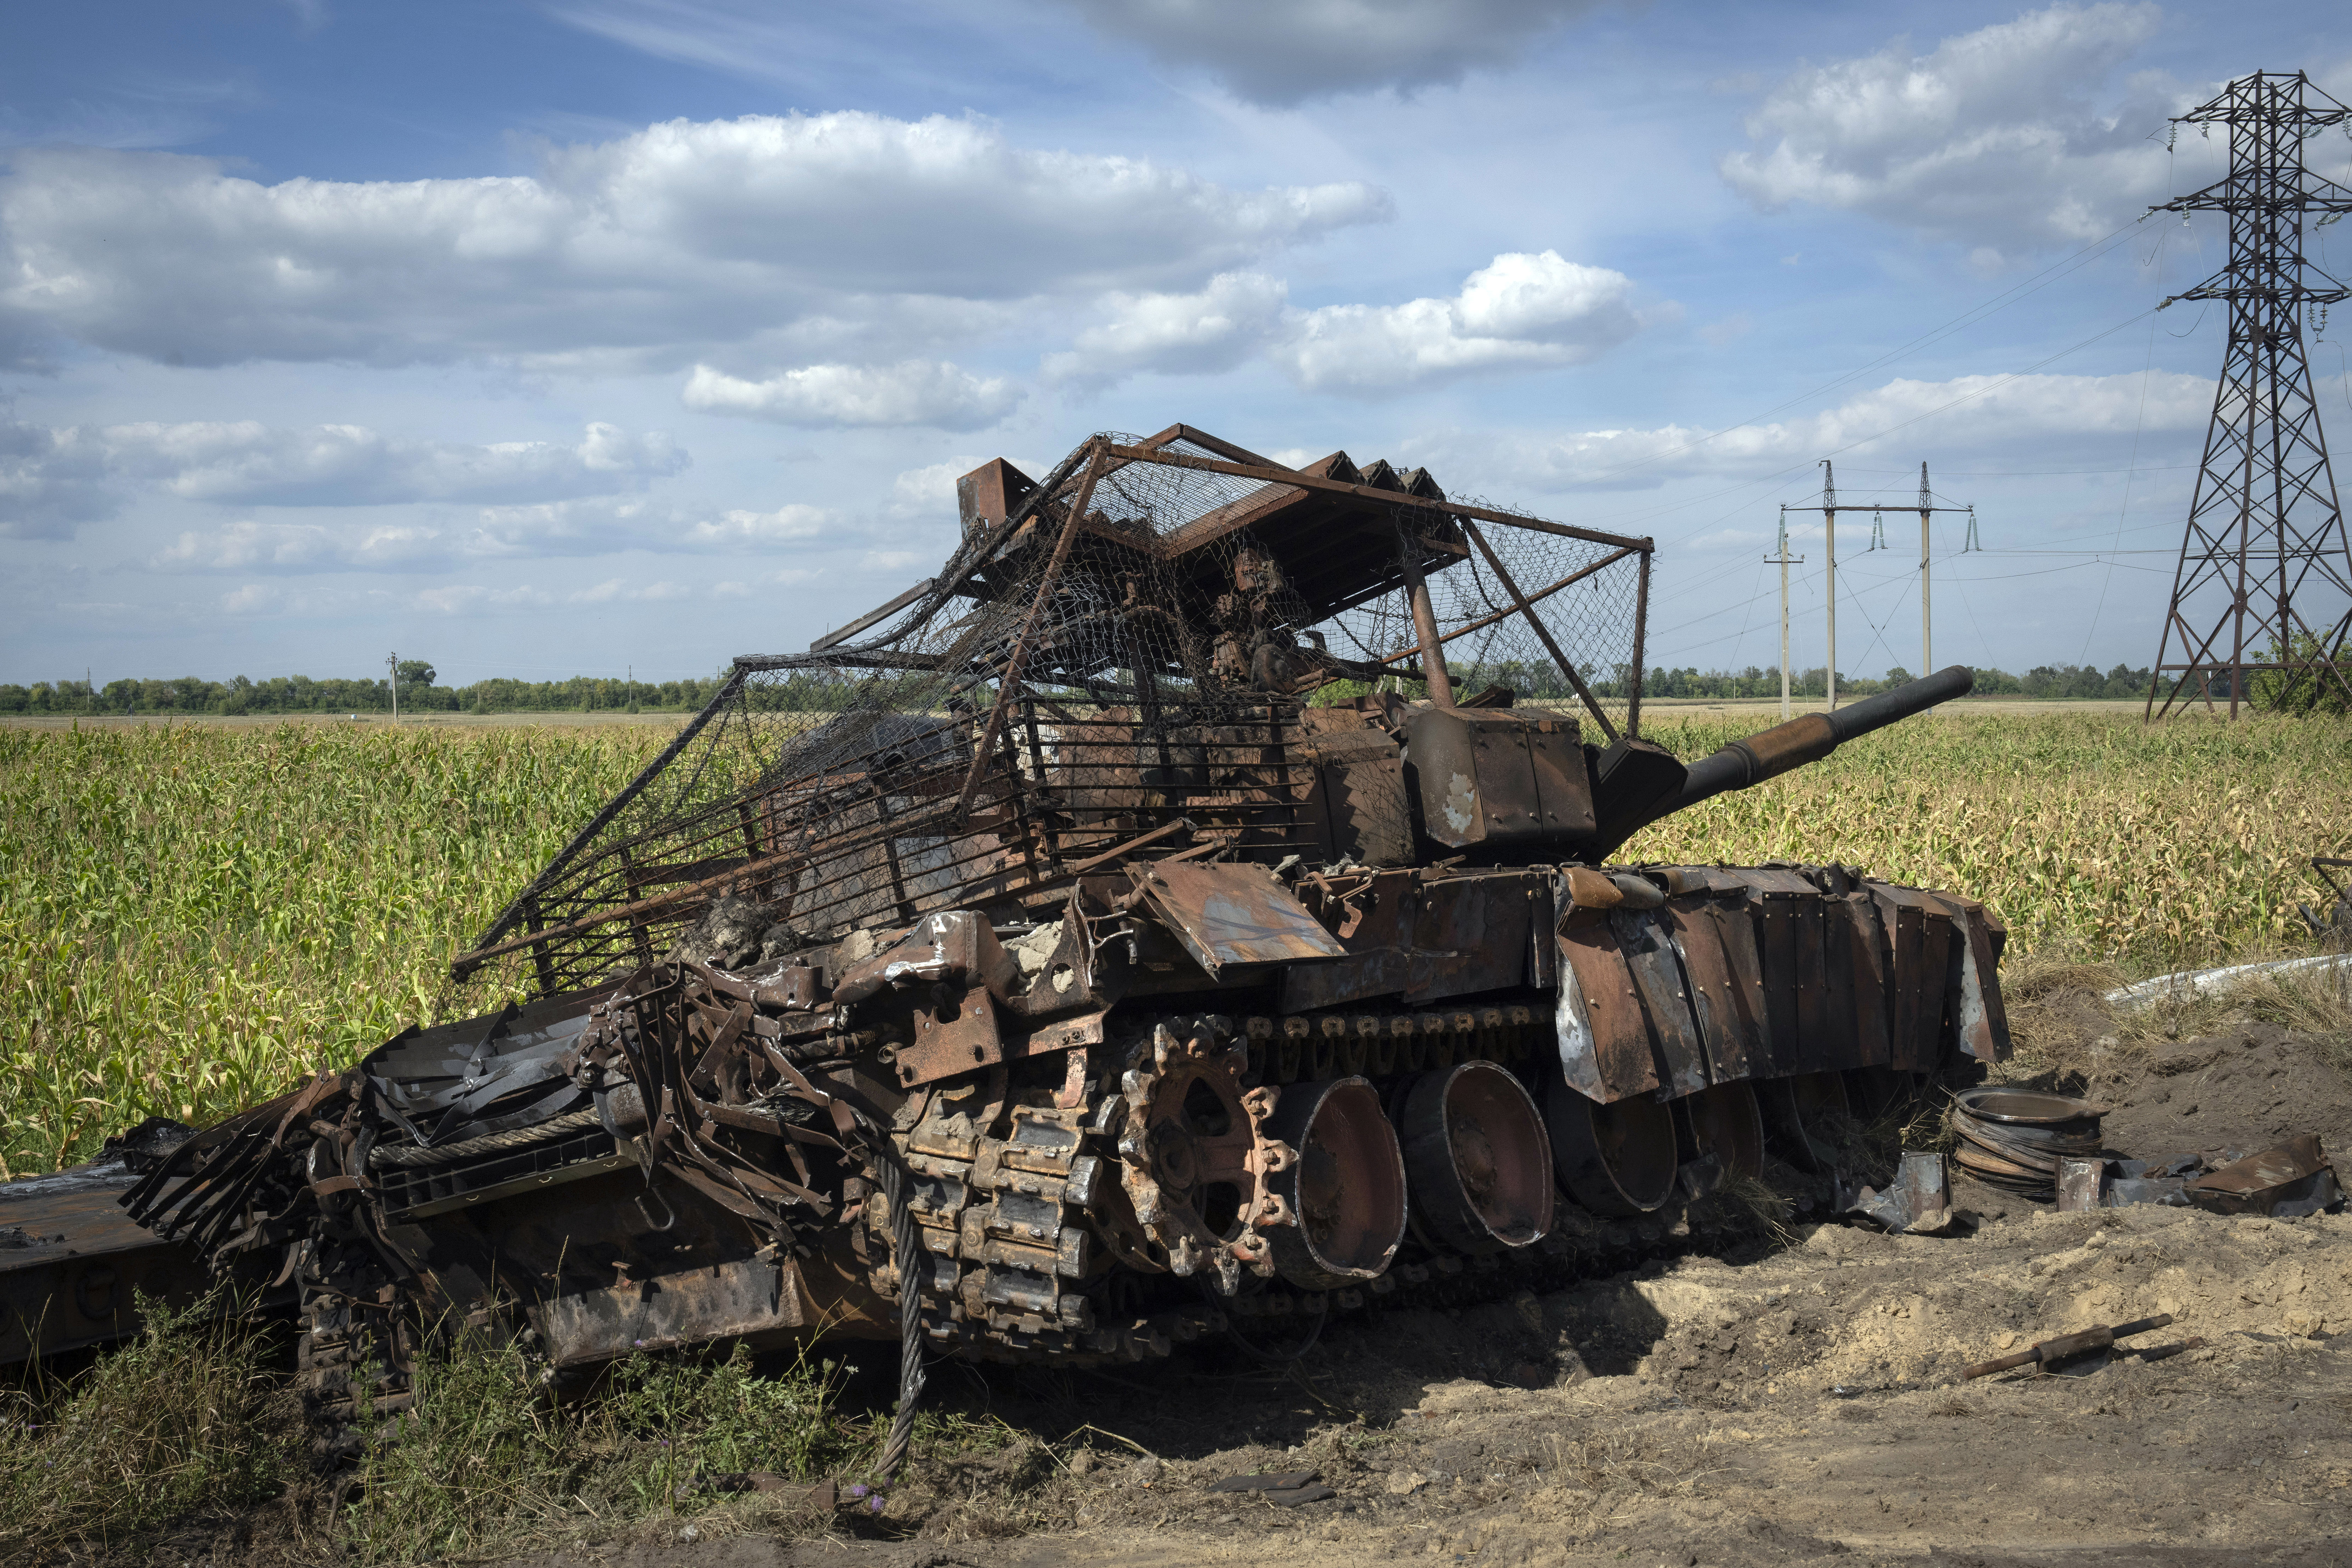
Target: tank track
[1025, 1241]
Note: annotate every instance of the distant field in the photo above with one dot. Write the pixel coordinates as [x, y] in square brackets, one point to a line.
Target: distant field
[564, 720]
[194, 915]
[1755, 712]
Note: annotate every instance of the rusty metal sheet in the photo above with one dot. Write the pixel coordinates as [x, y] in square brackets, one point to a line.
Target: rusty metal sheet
[1969, 1016]
[1650, 955]
[1543, 947]
[1366, 811]
[1724, 881]
[1974, 1008]
[1563, 781]
[1470, 933]
[1774, 880]
[1840, 1032]
[1604, 1039]
[1907, 979]
[951, 1037]
[1921, 941]
[70, 1281]
[1866, 977]
[1816, 1004]
[2079, 1182]
[2295, 1172]
[747, 1296]
[1776, 945]
[1942, 943]
[1234, 915]
[1375, 927]
[1725, 993]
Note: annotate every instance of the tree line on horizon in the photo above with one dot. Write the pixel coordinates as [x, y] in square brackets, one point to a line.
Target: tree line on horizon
[822, 691]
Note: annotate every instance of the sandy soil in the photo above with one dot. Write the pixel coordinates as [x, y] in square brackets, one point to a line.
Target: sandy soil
[1780, 1404]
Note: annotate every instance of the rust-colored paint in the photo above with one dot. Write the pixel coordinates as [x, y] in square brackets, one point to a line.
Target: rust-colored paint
[1234, 915]
[1726, 995]
[1604, 1038]
[1658, 977]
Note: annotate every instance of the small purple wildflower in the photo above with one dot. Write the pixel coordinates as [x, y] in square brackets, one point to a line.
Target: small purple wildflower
[874, 1504]
[857, 1492]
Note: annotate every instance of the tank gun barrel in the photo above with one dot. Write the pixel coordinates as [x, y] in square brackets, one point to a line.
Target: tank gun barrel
[1770, 752]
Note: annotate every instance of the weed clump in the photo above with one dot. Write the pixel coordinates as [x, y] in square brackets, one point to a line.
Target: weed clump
[185, 1418]
[488, 1461]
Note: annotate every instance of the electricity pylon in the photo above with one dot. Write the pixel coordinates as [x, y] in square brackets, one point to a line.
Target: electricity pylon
[2265, 575]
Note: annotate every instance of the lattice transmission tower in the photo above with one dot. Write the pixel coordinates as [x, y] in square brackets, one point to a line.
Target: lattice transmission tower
[2264, 582]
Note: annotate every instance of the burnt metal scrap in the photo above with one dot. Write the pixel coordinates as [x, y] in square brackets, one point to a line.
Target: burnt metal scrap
[1046, 967]
[2082, 1351]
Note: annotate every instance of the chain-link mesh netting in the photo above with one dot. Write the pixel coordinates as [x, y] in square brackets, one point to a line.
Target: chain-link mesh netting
[1062, 691]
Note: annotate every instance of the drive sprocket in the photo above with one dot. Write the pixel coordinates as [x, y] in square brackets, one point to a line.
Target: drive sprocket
[1194, 1158]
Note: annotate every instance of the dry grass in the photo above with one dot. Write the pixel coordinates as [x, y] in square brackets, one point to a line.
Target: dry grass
[185, 1419]
[2309, 1001]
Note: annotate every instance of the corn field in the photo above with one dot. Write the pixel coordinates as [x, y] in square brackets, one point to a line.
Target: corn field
[2092, 835]
[193, 918]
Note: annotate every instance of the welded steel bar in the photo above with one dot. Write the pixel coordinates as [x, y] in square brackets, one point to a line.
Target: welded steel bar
[1483, 622]
[1543, 633]
[1010, 680]
[1424, 620]
[467, 962]
[1640, 645]
[1372, 492]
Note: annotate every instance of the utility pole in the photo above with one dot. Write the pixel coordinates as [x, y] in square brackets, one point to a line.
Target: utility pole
[1927, 594]
[392, 663]
[2266, 535]
[1829, 522]
[1928, 509]
[1784, 560]
[1829, 508]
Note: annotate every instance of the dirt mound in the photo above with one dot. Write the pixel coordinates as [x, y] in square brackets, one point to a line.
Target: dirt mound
[2245, 1088]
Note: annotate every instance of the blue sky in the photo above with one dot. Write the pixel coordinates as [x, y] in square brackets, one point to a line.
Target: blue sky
[606, 336]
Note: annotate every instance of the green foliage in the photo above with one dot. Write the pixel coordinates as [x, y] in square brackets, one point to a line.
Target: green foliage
[2058, 681]
[188, 695]
[181, 1419]
[193, 918]
[2301, 691]
[487, 1460]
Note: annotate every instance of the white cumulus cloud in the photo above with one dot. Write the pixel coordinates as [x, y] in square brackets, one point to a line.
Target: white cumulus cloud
[1520, 312]
[667, 243]
[2017, 417]
[912, 391]
[2003, 139]
[51, 479]
[552, 529]
[1202, 333]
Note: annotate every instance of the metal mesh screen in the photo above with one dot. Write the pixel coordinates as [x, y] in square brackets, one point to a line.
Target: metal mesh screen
[1123, 660]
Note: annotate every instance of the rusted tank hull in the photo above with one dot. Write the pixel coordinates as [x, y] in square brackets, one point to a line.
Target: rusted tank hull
[1056, 974]
[1106, 1184]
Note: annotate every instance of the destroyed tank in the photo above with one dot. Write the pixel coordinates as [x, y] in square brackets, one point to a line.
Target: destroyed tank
[1054, 966]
